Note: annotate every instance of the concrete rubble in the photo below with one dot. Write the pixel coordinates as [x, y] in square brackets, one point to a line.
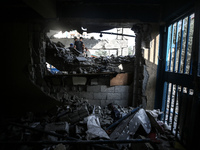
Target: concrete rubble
[76, 122]
[71, 61]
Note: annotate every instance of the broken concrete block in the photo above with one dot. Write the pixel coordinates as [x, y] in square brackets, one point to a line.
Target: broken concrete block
[81, 59]
[57, 126]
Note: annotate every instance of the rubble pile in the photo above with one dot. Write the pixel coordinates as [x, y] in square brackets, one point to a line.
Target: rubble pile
[71, 61]
[78, 125]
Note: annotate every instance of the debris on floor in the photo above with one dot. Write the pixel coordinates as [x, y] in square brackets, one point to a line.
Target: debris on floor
[78, 125]
[94, 128]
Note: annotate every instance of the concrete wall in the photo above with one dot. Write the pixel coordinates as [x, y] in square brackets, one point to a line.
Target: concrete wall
[151, 61]
[95, 89]
[151, 84]
[28, 88]
[102, 95]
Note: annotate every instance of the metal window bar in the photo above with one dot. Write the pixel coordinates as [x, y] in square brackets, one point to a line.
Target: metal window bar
[170, 92]
[174, 109]
[186, 47]
[181, 45]
[170, 101]
[191, 60]
[165, 97]
[192, 47]
[176, 45]
[168, 47]
[171, 45]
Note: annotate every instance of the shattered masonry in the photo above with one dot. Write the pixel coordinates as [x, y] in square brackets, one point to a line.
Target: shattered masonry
[76, 122]
[70, 62]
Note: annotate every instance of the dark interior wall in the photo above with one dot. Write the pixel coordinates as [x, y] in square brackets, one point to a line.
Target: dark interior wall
[19, 93]
[172, 9]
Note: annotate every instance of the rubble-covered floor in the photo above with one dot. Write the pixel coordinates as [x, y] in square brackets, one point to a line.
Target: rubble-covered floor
[76, 124]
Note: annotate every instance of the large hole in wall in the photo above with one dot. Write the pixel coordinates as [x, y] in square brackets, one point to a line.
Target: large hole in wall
[101, 79]
[106, 51]
[102, 55]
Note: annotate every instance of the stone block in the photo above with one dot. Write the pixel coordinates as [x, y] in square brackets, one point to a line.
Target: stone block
[100, 96]
[113, 96]
[106, 89]
[87, 95]
[96, 88]
[122, 89]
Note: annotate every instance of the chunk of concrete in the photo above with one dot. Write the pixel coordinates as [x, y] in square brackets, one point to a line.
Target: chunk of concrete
[57, 126]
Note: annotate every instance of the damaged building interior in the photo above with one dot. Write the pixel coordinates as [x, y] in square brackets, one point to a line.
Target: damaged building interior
[151, 102]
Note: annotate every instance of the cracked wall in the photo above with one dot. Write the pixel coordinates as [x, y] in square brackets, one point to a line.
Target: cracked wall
[33, 91]
[141, 90]
[151, 62]
[96, 91]
[145, 73]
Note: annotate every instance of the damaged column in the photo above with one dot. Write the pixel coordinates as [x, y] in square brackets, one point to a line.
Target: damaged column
[142, 32]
